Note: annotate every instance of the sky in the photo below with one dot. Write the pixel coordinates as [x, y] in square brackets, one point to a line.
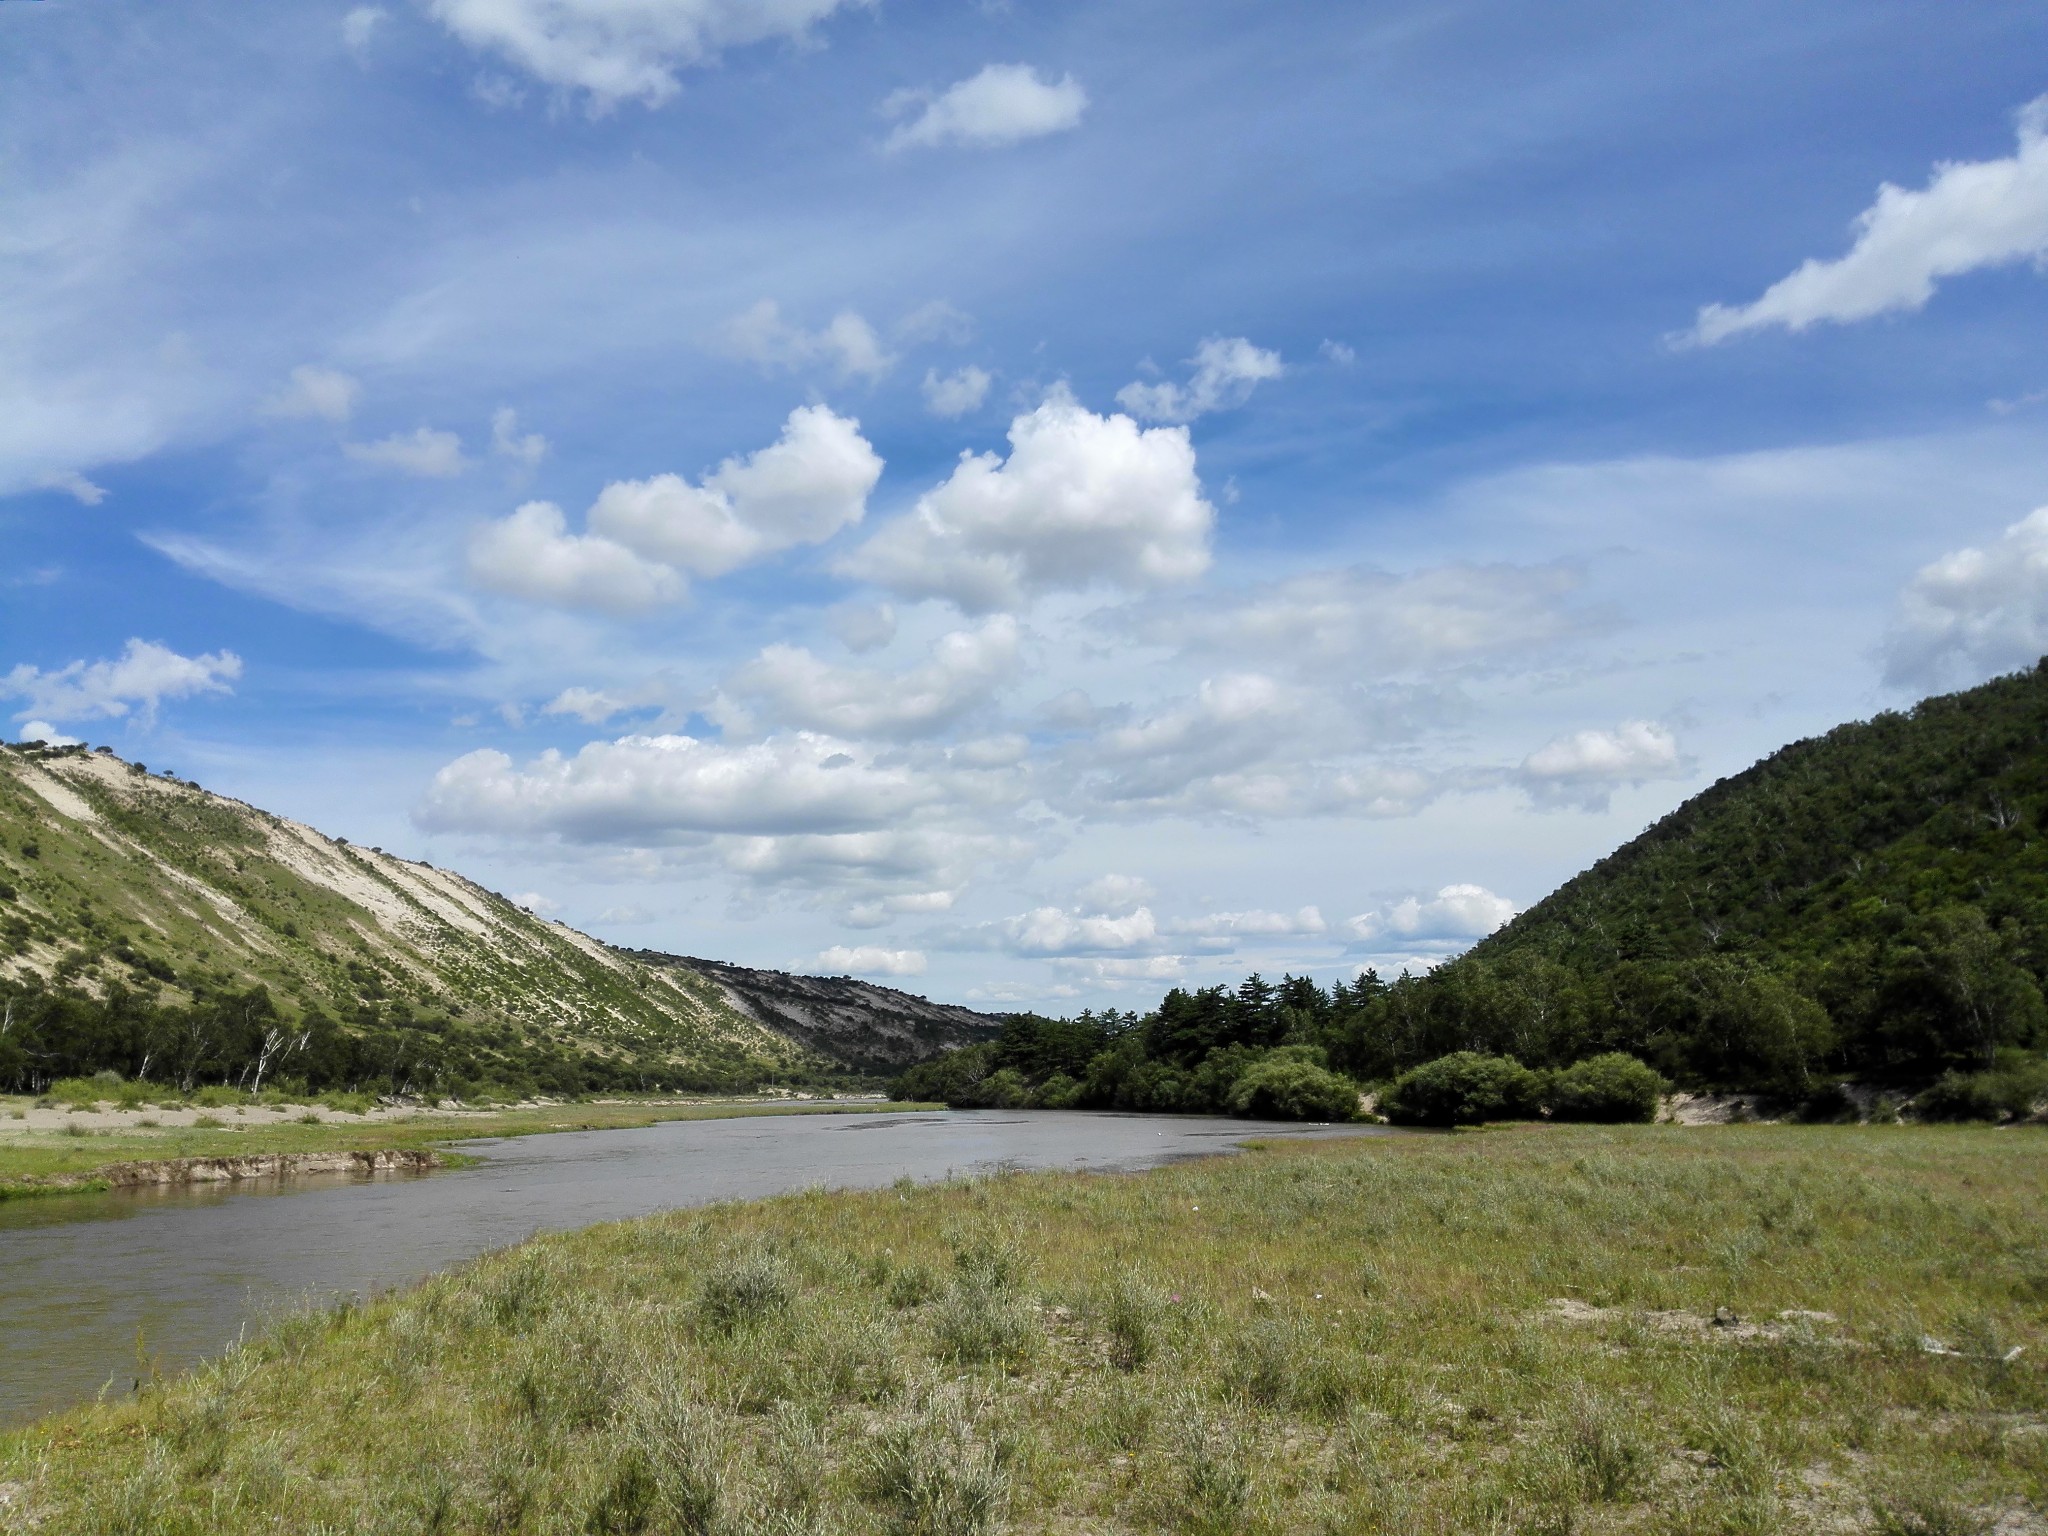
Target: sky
[1033, 503]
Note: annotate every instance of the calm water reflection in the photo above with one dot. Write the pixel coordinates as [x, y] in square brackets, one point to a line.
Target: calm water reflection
[80, 1277]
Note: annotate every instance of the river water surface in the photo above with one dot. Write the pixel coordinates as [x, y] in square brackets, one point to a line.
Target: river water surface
[82, 1276]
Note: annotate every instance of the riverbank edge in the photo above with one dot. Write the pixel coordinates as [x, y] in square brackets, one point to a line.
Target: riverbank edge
[175, 1171]
[218, 1167]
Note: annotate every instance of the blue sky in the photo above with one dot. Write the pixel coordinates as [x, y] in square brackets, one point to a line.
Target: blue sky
[1034, 502]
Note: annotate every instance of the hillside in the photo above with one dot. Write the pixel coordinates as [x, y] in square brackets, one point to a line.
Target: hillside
[871, 1028]
[117, 884]
[1835, 838]
[1871, 903]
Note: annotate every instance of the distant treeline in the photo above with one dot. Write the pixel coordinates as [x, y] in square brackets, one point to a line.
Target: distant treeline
[1258, 1050]
[242, 1039]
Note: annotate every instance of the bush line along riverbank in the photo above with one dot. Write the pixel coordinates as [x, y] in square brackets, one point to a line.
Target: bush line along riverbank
[1543, 1329]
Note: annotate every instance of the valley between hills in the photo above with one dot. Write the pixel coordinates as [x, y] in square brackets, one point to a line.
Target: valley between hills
[1551, 1316]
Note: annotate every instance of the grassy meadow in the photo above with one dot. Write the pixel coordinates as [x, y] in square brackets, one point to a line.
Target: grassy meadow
[1534, 1329]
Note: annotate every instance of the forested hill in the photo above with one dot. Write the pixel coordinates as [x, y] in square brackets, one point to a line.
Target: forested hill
[1843, 839]
[1869, 903]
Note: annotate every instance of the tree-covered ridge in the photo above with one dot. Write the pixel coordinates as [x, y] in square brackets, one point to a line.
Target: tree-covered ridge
[1840, 837]
[1870, 905]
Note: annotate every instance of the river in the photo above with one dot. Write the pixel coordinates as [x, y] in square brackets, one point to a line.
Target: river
[185, 1270]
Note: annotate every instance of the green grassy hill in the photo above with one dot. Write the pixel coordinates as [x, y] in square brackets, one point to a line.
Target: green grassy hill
[115, 882]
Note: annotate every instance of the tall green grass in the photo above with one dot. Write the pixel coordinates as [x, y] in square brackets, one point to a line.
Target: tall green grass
[1340, 1337]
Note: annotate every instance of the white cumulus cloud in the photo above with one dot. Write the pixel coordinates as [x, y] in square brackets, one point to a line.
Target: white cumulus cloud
[46, 733]
[801, 489]
[1456, 912]
[323, 393]
[1305, 922]
[1004, 104]
[847, 343]
[654, 788]
[1082, 501]
[427, 452]
[622, 50]
[1226, 369]
[874, 914]
[794, 687]
[642, 534]
[871, 960]
[532, 555]
[1231, 723]
[142, 676]
[956, 393]
[1584, 767]
[1974, 613]
[1970, 215]
[1047, 931]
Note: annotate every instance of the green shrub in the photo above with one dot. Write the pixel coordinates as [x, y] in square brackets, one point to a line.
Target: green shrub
[1005, 1089]
[944, 1474]
[78, 1092]
[1057, 1092]
[1131, 1315]
[1612, 1089]
[982, 1319]
[911, 1285]
[2008, 1091]
[1464, 1088]
[1285, 1088]
[1606, 1448]
[746, 1288]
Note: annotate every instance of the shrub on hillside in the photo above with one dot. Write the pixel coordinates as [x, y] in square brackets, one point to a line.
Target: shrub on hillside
[1464, 1088]
[1288, 1088]
[1613, 1089]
